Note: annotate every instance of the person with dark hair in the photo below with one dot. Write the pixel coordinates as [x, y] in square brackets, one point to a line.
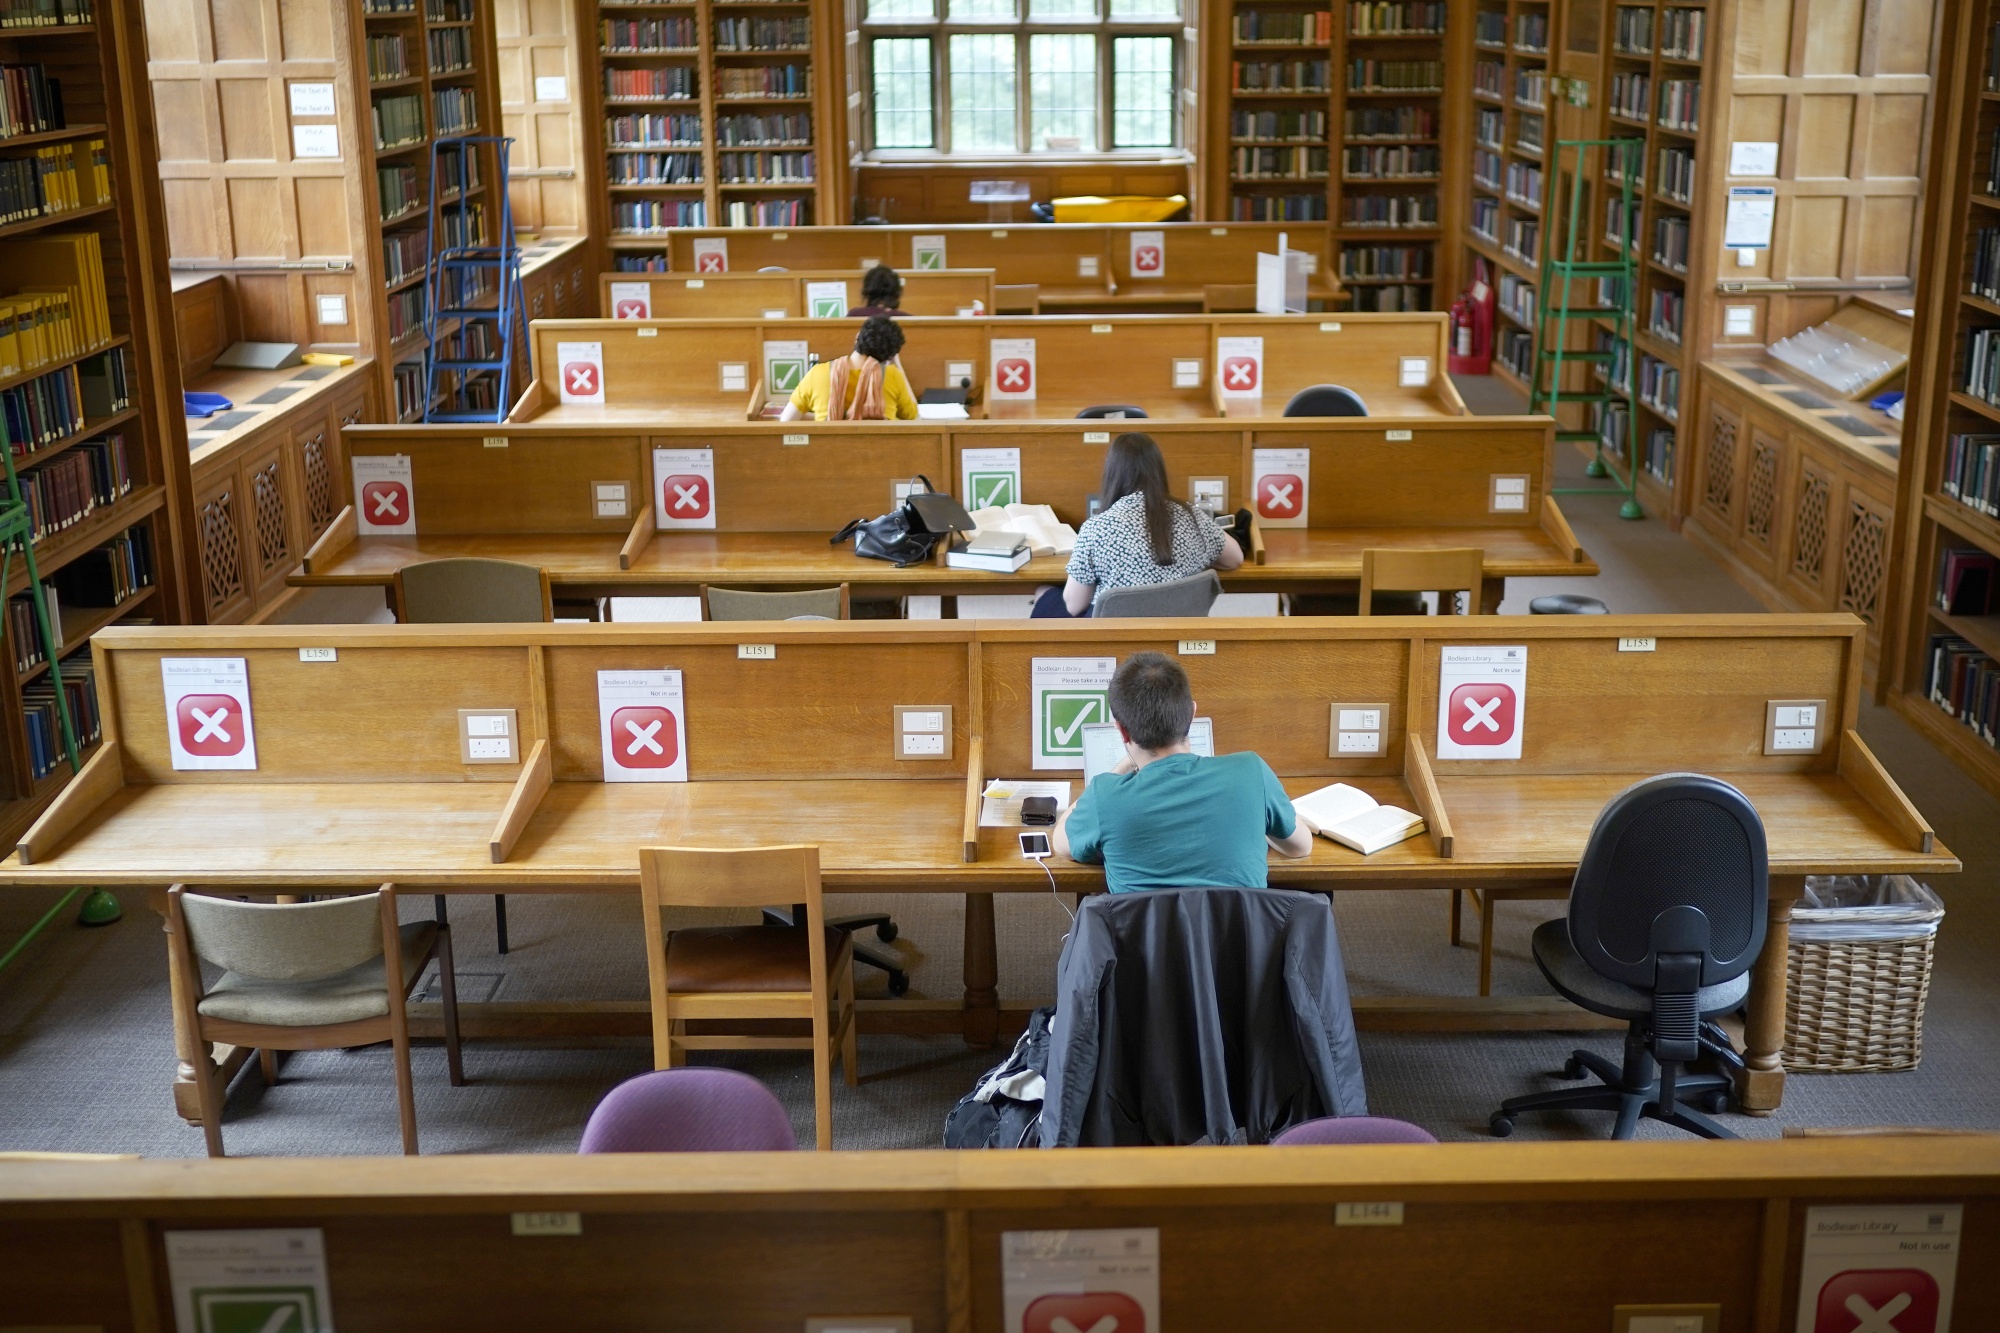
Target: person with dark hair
[1141, 534]
[1166, 817]
[864, 385]
[881, 294]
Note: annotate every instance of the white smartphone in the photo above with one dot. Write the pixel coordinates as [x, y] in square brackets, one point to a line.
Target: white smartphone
[1103, 747]
[1035, 846]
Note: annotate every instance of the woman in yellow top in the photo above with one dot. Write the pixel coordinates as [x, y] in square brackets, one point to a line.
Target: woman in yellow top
[864, 385]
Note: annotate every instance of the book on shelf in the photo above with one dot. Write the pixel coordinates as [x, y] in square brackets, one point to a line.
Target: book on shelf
[1965, 683]
[1351, 817]
[46, 13]
[69, 265]
[1966, 582]
[30, 101]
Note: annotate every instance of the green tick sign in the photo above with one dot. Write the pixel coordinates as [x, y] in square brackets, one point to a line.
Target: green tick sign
[1069, 695]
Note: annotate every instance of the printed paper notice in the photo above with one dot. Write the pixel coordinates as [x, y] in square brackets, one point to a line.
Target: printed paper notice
[785, 367]
[208, 712]
[1013, 367]
[315, 140]
[927, 252]
[1482, 702]
[1747, 221]
[1239, 367]
[385, 497]
[711, 254]
[580, 372]
[1080, 1281]
[311, 99]
[631, 300]
[271, 1281]
[989, 478]
[684, 488]
[1000, 803]
[826, 300]
[1149, 254]
[642, 721]
[1280, 481]
[1753, 158]
[1879, 1270]
[1069, 696]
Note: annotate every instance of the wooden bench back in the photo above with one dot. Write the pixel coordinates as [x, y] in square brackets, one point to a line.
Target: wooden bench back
[752, 295]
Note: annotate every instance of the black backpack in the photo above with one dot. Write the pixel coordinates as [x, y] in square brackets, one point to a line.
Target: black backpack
[911, 533]
[1005, 1110]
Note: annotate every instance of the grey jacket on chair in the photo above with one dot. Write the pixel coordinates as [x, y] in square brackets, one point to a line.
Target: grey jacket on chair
[1199, 1016]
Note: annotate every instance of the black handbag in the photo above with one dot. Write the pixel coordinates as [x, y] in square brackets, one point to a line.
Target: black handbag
[909, 534]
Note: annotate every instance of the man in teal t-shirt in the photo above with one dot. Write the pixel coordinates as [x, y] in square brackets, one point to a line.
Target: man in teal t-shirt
[1166, 818]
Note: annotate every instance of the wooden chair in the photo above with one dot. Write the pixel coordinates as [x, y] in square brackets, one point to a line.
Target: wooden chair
[1442, 571]
[810, 604]
[751, 971]
[303, 977]
[472, 591]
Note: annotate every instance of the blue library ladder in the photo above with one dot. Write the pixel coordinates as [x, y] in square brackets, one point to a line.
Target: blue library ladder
[464, 276]
[17, 532]
[1616, 278]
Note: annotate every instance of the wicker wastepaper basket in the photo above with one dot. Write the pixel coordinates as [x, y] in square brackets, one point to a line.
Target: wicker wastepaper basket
[1859, 973]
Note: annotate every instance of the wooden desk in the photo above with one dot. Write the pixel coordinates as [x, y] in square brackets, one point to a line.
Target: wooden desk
[1084, 266]
[778, 502]
[750, 295]
[359, 780]
[656, 372]
[1543, 1236]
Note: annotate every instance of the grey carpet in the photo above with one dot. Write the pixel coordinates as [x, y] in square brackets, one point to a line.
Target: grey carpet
[86, 1047]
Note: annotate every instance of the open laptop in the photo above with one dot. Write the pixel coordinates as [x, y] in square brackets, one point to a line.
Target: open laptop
[1103, 747]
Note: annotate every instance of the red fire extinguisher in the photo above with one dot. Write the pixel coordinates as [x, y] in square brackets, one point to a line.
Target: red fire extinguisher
[1472, 330]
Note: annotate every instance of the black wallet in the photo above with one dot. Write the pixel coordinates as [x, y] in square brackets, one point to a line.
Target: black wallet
[1038, 811]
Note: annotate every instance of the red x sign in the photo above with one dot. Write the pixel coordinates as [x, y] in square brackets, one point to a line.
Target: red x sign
[1088, 1312]
[685, 495]
[645, 736]
[211, 725]
[1239, 373]
[711, 263]
[632, 309]
[1280, 495]
[1878, 1300]
[1147, 259]
[385, 503]
[581, 379]
[1015, 375]
[1482, 714]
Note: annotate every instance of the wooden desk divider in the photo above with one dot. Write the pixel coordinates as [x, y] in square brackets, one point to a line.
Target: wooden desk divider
[938, 292]
[536, 493]
[360, 779]
[1074, 266]
[657, 371]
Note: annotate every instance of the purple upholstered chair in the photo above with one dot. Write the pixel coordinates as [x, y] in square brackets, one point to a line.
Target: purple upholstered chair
[689, 1110]
[1354, 1129]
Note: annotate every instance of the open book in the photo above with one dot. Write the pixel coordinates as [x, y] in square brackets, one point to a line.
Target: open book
[1045, 533]
[1355, 819]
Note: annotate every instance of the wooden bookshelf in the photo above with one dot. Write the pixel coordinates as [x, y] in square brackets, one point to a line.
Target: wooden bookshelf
[671, 82]
[1930, 519]
[100, 64]
[1340, 112]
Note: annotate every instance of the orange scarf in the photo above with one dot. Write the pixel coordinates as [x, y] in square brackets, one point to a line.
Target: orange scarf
[867, 392]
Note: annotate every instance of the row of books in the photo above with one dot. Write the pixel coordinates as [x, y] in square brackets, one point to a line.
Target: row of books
[455, 111]
[634, 261]
[1515, 349]
[44, 724]
[1293, 29]
[1660, 387]
[1528, 130]
[69, 487]
[1676, 179]
[51, 181]
[406, 313]
[1993, 58]
[1304, 162]
[652, 131]
[1485, 218]
[459, 227]
[1396, 18]
[1385, 261]
[1971, 472]
[1621, 220]
[1489, 79]
[1489, 27]
[1389, 163]
[1681, 33]
[1281, 76]
[1489, 127]
[1389, 210]
[1670, 243]
[1680, 104]
[1523, 239]
[1277, 208]
[1965, 683]
[1487, 167]
[448, 172]
[653, 168]
[450, 50]
[764, 81]
[1517, 300]
[47, 408]
[1395, 76]
[1523, 183]
[1968, 583]
[630, 216]
[404, 253]
[30, 101]
[1631, 95]
[387, 57]
[401, 190]
[649, 36]
[749, 130]
[775, 34]
[1658, 458]
[1392, 297]
[398, 120]
[1303, 126]
[109, 574]
[1665, 315]
[764, 168]
[767, 213]
[46, 13]
[1390, 122]
[1632, 31]
[1531, 86]
[671, 83]
[1531, 32]
[408, 383]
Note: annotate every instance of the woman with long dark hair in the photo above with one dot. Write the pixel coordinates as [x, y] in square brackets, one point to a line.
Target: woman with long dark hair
[1141, 535]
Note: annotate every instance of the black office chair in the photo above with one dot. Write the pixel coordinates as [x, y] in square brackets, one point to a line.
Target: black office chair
[1326, 400]
[1114, 411]
[1666, 918]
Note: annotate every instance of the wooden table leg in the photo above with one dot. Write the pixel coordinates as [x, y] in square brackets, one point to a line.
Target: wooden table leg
[1761, 1087]
[982, 972]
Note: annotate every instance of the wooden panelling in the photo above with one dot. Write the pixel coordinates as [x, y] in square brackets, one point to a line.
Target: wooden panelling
[539, 45]
[938, 193]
